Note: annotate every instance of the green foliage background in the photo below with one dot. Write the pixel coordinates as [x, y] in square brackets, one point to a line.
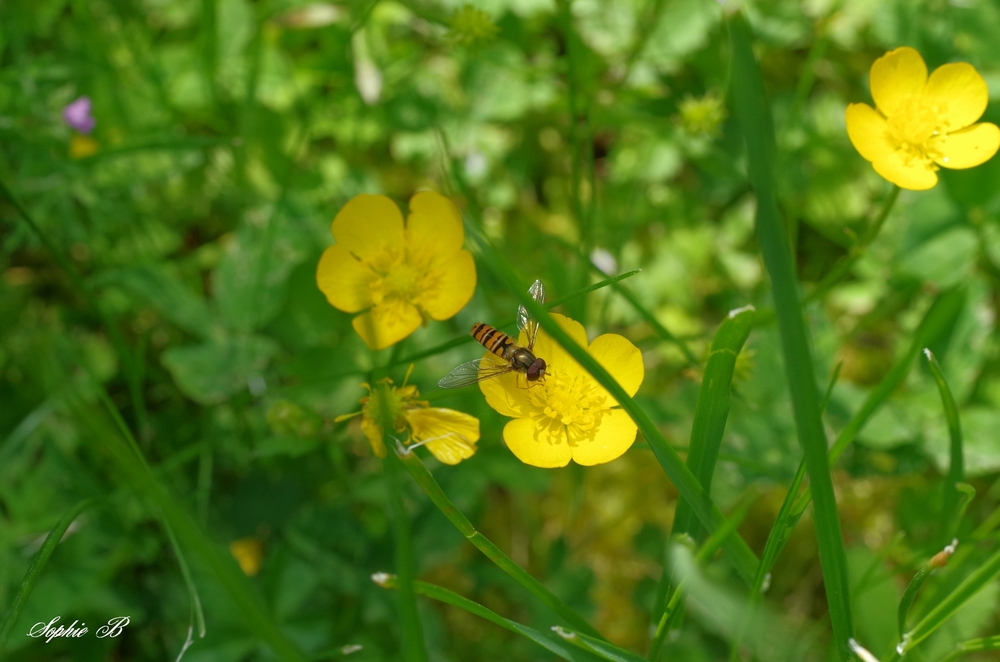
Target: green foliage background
[230, 132]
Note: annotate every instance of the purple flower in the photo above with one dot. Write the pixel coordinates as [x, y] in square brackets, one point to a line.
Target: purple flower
[77, 115]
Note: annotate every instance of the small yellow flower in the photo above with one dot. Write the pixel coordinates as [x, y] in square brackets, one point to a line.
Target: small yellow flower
[568, 415]
[80, 146]
[248, 552]
[449, 435]
[400, 275]
[922, 122]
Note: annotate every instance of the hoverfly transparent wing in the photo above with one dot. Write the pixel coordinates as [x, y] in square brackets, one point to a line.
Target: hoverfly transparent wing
[470, 373]
[524, 321]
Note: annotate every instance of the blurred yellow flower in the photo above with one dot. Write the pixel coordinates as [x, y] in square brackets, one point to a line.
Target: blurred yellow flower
[400, 275]
[921, 122]
[80, 146]
[449, 435]
[568, 415]
[248, 552]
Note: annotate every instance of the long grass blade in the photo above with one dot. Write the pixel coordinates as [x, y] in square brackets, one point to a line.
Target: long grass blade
[956, 468]
[551, 642]
[973, 646]
[38, 565]
[418, 470]
[710, 415]
[413, 635]
[601, 649]
[754, 118]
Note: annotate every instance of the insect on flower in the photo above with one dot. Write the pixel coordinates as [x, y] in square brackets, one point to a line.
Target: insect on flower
[514, 357]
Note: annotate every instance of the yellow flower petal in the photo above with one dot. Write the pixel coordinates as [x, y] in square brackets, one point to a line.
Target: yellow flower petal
[387, 323]
[434, 224]
[895, 77]
[969, 147]
[913, 175]
[868, 131]
[368, 224]
[507, 393]
[959, 93]
[614, 435]
[556, 358]
[621, 358]
[455, 283]
[535, 443]
[373, 431]
[344, 280]
[455, 433]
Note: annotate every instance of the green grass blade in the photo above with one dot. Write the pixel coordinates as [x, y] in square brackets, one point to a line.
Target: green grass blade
[124, 452]
[601, 649]
[551, 642]
[973, 646]
[956, 468]
[754, 118]
[37, 566]
[413, 635]
[418, 470]
[735, 548]
[947, 607]
[710, 415]
[712, 410]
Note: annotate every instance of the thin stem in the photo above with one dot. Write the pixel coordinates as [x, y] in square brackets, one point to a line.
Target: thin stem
[843, 268]
[37, 566]
[425, 480]
[413, 636]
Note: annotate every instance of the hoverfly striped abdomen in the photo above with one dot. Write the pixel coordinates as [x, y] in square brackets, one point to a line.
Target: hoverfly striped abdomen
[492, 339]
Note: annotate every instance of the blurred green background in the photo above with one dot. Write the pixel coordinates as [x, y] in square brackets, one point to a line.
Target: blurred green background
[230, 132]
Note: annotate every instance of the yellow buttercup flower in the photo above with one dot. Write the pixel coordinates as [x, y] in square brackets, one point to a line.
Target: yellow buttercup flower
[449, 435]
[922, 123]
[399, 274]
[248, 552]
[567, 415]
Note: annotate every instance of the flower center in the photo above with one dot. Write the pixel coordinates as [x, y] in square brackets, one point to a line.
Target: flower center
[917, 129]
[571, 401]
[403, 275]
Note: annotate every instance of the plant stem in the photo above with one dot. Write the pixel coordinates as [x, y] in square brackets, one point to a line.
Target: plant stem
[425, 480]
[413, 636]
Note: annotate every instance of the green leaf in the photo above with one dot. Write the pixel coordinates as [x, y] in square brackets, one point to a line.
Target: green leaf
[211, 372]
[156, 286]
[250, 284]
[756, 125]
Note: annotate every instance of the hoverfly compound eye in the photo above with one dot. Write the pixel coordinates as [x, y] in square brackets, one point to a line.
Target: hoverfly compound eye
[537, 370]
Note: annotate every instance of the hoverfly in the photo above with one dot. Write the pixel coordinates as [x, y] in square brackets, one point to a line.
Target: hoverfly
[516, 358]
